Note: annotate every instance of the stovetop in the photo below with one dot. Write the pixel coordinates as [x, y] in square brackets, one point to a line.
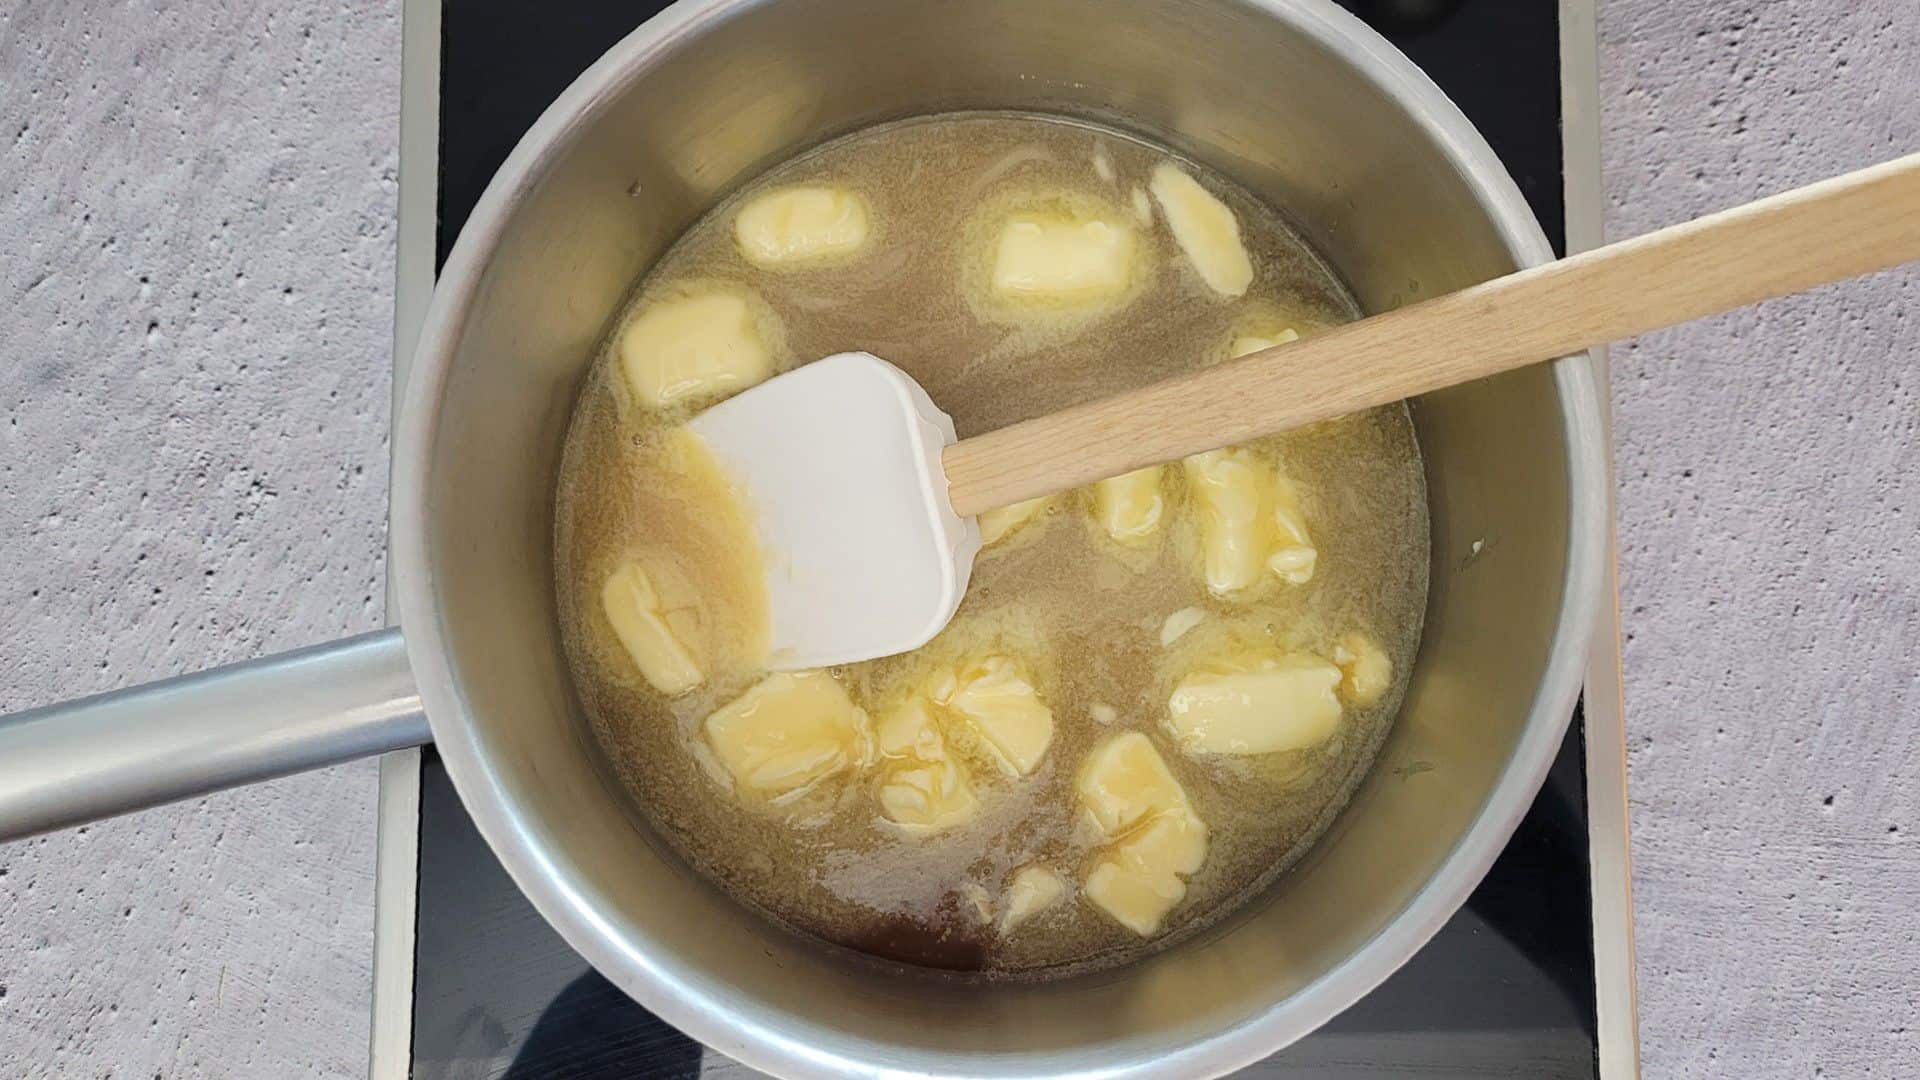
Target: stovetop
[1507, 988]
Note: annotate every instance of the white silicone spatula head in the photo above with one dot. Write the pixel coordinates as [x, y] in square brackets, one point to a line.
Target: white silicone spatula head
[840, 462]
[864, 499]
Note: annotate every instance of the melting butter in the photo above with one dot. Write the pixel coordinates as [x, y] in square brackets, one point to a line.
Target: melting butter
[693, 345]
[1206, 229]
[1156, 839]
[1129, 507]
[634, 609]
[801, 225]
[788, 734]
[1056, 258]
[1256, 705]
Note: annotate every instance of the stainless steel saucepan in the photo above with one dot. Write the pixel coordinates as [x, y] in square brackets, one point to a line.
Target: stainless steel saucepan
[1294, 99]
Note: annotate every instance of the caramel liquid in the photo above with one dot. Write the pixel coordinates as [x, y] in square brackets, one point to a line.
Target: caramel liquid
[1083, 614]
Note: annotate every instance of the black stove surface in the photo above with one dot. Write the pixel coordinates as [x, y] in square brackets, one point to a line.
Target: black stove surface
[1506, 989]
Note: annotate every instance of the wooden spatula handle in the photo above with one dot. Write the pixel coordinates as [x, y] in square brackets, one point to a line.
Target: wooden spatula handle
[1838, 228]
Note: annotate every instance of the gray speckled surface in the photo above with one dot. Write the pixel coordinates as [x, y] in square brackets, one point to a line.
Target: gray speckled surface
[1769, 467]
[195, 308]
[196, 210]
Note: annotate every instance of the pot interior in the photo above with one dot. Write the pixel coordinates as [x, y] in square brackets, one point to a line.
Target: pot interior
[1296, 105]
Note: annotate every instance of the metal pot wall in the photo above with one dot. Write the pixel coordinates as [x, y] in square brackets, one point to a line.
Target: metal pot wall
[1297, 101]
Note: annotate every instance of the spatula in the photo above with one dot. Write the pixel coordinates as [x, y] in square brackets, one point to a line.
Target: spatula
[865, 500]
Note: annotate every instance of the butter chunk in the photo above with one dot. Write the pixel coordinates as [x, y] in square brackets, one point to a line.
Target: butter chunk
[1250, 522]
[1293, 564]
[1229, 489]
[1035, 889]
[1155, 838]
[1061, 258]
[1174, 842]
[1205, 229]
[805, 223]
[923, 789]
[1243, 344]
[998, 524]
[693, 345]
[639, 621]
[1002, 709]
[789, 733]
[1142, 878]
[1129, 507]
[1136, 900]
[1124, 781]
[1277, 703]
[1365, 671]
[1293, 555]
[1177, 624]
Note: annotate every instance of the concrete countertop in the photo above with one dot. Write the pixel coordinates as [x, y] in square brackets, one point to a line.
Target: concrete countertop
[197, 205]
[1769, 505]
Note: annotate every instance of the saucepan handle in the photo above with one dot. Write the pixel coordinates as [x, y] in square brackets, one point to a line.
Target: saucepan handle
[140, 747]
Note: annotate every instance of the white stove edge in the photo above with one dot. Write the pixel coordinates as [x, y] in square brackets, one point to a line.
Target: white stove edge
[1610, 853]
[396, 874]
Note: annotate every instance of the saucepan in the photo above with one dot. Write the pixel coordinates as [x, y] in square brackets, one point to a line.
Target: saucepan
[1294, 99]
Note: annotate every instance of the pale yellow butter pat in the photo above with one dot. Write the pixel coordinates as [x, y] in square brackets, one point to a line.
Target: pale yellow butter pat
[1293, 555]
[1365, 670]
[691, 346]
[634, 609]
[1294, 564]
[1138, 901]
[1205, 229]
[998, 524]
[1177, 624]
[923, 789]
[1002, 709]
[1034, 890]
[1123, 781]
[807, 223]
[1244, 344]
[1229, 490]
[1281, 703]
[1129, 506]
[1060, 259]
[1250, 522]
[1156, 839]
[1143, 877]
[788, 733]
